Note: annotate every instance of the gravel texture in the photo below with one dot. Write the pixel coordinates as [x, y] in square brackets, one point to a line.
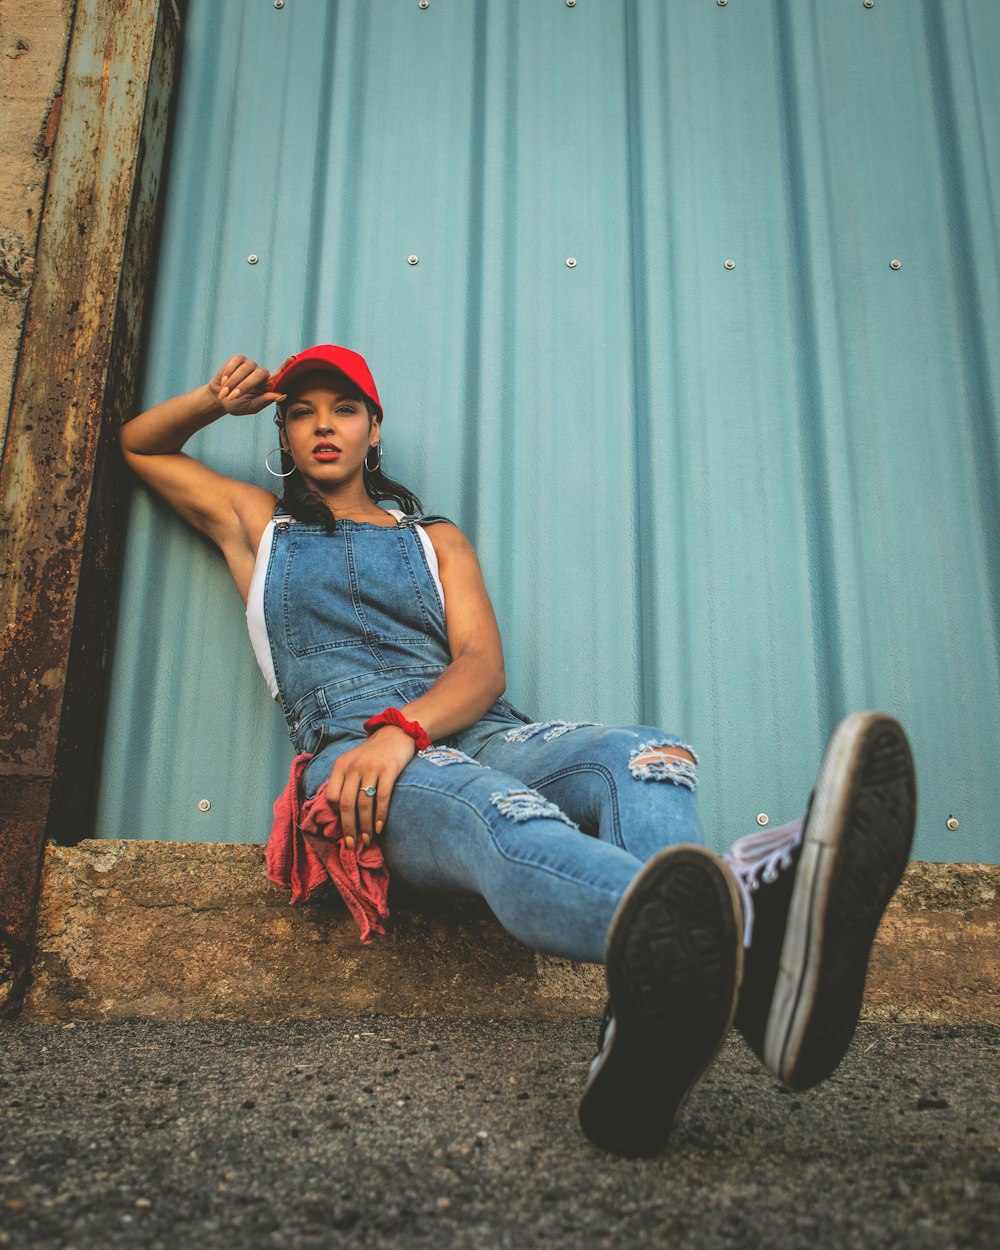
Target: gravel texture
[389, 1132]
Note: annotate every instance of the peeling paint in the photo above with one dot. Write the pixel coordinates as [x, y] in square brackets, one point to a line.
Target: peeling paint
[52, 122]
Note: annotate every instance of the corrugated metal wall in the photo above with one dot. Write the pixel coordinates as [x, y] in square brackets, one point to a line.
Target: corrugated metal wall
[735, 501]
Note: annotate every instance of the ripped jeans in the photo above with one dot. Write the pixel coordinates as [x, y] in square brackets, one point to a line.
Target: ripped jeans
[549, 823]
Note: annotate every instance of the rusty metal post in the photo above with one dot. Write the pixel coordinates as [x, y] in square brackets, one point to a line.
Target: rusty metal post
[61, 484]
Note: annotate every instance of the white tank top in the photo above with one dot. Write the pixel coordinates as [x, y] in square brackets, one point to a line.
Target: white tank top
[255, 597]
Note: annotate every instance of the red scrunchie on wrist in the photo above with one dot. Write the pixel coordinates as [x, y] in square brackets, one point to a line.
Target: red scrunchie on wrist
[393, 716]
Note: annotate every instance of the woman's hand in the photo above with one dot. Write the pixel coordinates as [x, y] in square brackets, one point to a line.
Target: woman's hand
[375, 763]
[241, 386]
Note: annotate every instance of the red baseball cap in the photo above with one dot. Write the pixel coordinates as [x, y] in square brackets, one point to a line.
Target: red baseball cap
[327, 356]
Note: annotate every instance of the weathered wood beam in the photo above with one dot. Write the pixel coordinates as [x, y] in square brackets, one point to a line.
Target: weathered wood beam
[62, 491]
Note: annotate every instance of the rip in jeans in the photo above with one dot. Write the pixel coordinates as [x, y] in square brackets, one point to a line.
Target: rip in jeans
[522, 805]
[443, 756]
[664, 761]
[549, 729]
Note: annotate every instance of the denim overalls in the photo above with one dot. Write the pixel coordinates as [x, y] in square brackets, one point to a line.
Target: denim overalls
[548, 821]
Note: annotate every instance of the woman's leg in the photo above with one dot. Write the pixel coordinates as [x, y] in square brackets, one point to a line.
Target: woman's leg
[456, 825]
[634, 787]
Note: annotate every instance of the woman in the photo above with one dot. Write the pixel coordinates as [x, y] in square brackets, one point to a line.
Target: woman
[584, 840]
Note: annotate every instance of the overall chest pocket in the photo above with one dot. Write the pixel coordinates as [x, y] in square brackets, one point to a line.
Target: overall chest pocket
[352, 588]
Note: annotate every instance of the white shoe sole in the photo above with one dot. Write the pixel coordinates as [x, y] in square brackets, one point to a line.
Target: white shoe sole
[855, 847]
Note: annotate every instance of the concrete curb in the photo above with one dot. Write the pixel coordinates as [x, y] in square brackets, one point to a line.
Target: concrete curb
[194, 931]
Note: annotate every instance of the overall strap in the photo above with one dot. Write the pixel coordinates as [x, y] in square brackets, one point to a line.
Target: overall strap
[416, 518]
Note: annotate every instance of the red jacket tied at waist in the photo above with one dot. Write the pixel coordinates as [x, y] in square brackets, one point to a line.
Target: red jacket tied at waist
[306, 848]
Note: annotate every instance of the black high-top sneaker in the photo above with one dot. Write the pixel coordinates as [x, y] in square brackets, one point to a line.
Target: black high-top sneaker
[814, 893]
[673, 967]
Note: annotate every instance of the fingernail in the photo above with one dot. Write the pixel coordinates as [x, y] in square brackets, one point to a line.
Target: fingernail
[378, 826]
[365, 838]
[349, 843]
[236, 391]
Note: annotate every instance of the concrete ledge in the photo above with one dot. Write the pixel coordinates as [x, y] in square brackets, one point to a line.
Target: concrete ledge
[186, 931]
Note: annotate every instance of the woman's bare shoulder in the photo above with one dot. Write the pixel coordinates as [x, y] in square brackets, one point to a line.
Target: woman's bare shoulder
[446, 536]
[458, 562]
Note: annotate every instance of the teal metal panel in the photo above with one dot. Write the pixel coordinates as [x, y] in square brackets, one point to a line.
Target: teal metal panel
[738, 502]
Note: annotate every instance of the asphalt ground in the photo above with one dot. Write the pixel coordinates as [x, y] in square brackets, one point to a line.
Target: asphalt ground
[390, 1132]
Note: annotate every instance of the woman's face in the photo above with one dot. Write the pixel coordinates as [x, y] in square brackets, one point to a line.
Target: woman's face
[328, 429]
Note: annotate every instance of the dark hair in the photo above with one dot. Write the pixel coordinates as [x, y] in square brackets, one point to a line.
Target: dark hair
[309, 507]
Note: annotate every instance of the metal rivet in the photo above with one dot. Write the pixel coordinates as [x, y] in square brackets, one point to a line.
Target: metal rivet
[425, 4]
[252, 258]
[951, 823]
[869, 4]
[279, 4]
[723, 3]
[413, 260]
[570, 262]
[730, 264]
[570, 4]
[763, 818]
[895, 264]
[204, 805]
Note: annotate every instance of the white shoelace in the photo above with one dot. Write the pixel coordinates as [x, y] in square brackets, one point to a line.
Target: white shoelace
[760, 857]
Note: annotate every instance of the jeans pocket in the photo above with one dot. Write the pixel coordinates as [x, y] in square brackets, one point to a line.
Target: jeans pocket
[305, 724]
[310, 739]
[511, 712]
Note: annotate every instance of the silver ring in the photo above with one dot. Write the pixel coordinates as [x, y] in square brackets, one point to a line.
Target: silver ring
[370, 791]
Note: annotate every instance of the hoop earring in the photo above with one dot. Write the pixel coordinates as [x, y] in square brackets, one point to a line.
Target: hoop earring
[374, 468]
[267, 462]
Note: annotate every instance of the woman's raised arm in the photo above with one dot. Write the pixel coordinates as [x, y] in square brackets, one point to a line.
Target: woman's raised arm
[230, 512]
